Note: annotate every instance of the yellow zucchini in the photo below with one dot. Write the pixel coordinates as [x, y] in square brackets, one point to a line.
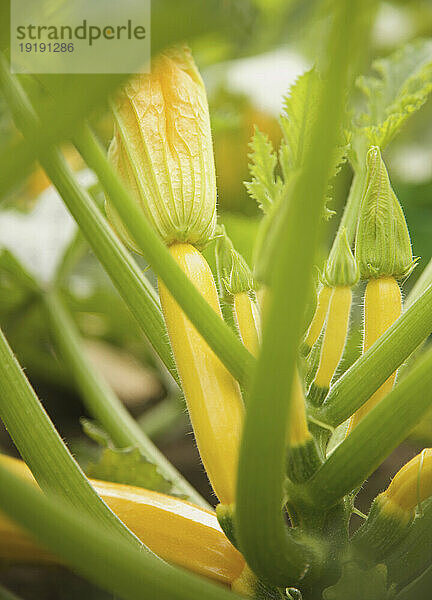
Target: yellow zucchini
[248, 321]
[213, 396]
[333, 343]
[174, 529]
[383, 305]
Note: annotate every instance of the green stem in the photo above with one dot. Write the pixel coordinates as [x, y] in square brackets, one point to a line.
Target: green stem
[75, 250]
[127, 277]
[100, 556]
[264, 539]
[374, 438]
[421, 285]
[42, 448]
[169, 413]
[213, 329]
[352, 207]
[101, 401]
[370, 371]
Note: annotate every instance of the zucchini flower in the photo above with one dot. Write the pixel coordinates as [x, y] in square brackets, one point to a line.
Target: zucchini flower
[162, 148]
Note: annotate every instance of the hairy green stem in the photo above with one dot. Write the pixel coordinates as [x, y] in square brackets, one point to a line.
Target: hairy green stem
[42, 448]
[264, 538]
[352, 207]
[102, 557]
[101, 401]
[370, 371]
[214, 330]
[374, 438]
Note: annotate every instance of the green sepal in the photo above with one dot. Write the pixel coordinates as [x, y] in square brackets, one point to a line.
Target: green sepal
[304, 349]
[234, 274]
[225, 516]
[383, 245]
[380, 533]
[316, 394]
[302, 461]
[341, 268]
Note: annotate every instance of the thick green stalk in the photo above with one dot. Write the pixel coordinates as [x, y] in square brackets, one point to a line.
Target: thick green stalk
[102, 557]
[420, 286]
[261, 529]
[370, 371]
[127, 277]
[352, 206]
[214, 330]
[374, 438]
[168, 414]
[42, 448]
[101, 401]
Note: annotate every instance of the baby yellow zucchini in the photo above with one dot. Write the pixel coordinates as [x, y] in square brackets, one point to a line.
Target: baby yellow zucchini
[383, 305]
[333, 343]
[212, 395]
[177, 531]
[318, 319]
[248, 320]
[340, 275]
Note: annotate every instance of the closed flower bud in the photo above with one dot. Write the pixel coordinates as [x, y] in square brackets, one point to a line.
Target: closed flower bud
[393, 510]
[341, 268]
[383, 245]
[412, 483]
[162, 149]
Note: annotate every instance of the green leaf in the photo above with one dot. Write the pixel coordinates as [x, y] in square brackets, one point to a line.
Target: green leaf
[299, 114]
[265, 185]
[358, 584]
[128, 466]
[296, 122]
[399, 87]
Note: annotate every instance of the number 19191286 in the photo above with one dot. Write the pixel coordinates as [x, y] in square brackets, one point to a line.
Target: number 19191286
[47, 47]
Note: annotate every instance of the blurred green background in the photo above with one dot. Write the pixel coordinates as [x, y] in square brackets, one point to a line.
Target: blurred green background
[249, 53]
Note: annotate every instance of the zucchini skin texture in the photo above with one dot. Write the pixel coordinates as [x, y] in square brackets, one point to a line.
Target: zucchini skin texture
[383, 305]
[176, 530]
[248, 321]
[212, 395]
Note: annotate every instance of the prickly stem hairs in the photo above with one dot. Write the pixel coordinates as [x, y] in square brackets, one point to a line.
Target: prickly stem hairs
[162, 147]
[383, 251]
[176, 530]
[340, 275]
